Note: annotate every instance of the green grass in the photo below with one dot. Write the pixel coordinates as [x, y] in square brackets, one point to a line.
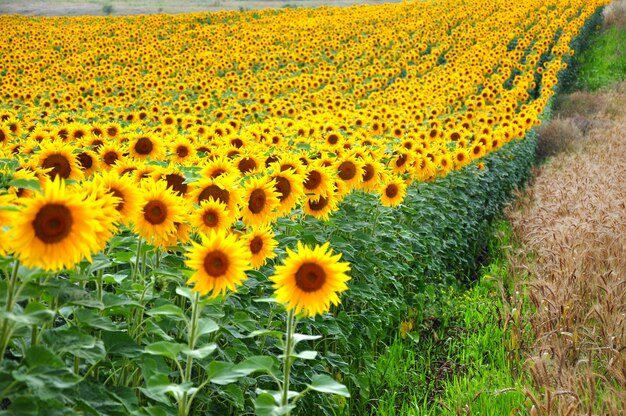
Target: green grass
[465, 359]
[603, 63]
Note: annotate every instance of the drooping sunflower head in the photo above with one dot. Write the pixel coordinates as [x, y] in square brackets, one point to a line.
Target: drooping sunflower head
[219, 263]
[310, 280]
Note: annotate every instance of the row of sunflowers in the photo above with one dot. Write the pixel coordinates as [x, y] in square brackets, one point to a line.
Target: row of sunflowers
[188, 138]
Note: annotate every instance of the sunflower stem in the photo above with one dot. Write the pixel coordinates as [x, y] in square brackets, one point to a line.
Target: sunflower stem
[12, 293]
[288, 357]
[191, 342]
[137, 256]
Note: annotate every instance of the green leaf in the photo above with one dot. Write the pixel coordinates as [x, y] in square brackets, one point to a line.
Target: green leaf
[220, 372]
[35, 313]
[206, 326]
[46, 382]
[169, 310]
[39, 355]
[87, 317]
[306, 355]
[119, 342]
[325, 384]
[302, 337]
[201, 352]
[32, 184]
[72, 341]
[165, 349]
[265, 405]
[256, 363]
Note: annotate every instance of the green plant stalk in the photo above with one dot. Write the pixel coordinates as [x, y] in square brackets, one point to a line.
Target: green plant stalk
[186, 401]
[288, 353]
[12, 294]
[137, 255]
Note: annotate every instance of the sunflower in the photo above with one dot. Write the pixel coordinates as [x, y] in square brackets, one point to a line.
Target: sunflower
[110, 154]
[261, 244]
[320, 206]
[105, 213]
[144, 146]
[57, 229]
[218, 166]
[349, 170]
[175, 179]
[260, 201]
[160, 210]
[224, 189]
[182, 151]
[288, 185]
[88, 162]
[371, 174]
[392, 192]
[461, 158]
[124, 189]
[212, 215]
[220, 263]
[58, 158]
[310, 280]
[319, 181]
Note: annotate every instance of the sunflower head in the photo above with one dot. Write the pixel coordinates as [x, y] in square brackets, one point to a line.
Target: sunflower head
[310, 280]
[219, 263]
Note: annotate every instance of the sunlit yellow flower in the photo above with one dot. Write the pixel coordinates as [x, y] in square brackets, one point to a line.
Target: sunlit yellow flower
[219, 263]
[261, 244]
[160, 210]
[55, 229]
[310, 280]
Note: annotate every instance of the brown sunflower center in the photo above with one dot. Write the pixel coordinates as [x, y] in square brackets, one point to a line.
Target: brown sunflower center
[176, 182]
[110, 158]
[246, 165]
[347, 170]
[313, 180]
[256, 203]
[182, 151]
[116, 193]
[210, 218]
[391, 190]
[85, 160]
[216, 263]
[59, 164]
[217, 172]
[218, 194]
[368, 172]
[53, 223]
[283, 187]
[256, 245]
[310, 277]
[401, 160]
[318, 205]
[155, 212]
[144, 146]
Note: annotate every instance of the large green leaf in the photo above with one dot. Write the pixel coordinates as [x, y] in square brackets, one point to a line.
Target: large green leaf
[165, 349]
[325, 384]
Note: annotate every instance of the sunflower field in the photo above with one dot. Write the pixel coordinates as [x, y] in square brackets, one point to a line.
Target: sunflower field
[229, 213]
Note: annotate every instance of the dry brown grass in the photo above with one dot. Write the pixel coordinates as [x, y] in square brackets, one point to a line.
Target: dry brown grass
[572, 224]
[615, 14]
